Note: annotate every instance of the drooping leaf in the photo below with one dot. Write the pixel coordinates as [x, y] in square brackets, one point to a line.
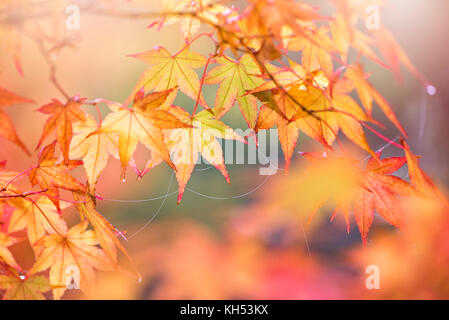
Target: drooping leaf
[419, 179]
[368, 94]
[309, 110]
[394, 54]
[106, 233]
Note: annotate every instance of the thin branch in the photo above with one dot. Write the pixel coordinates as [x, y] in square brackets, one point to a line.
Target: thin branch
[52, 67]
[22, 195]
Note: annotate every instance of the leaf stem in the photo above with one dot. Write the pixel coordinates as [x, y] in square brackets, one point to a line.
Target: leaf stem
[211, 56]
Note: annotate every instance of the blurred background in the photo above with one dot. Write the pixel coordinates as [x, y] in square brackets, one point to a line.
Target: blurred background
[238, 240]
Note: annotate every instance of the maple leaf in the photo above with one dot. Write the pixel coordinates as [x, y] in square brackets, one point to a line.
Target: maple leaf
[24, 287]
[235, 79]
[9, 98]
[106, 233]
[188, 25]
[168, 71]
[326, 181]
[6, 255]
[419, 179]
[368, 94]
[61, 120]
[76, 247]
[198, 138]
[345, 35]
[271, 17]
[315, 50]
[345, 115]
[94, 150]
[379, 191]
[192, 13]
[7, 129]
[10, 40]
[341, 35]
[142, 123]
[394, 54]
[38, 217]
[288, 132]
[51, 174]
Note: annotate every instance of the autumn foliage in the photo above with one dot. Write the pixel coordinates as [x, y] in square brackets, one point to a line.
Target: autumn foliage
[282, 63]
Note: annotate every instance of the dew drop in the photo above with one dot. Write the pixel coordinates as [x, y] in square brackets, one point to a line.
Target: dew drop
[124, 180]
[22, 277]
[431, 90]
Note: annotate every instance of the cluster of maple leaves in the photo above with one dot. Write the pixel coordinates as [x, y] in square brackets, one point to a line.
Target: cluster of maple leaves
[253, 66]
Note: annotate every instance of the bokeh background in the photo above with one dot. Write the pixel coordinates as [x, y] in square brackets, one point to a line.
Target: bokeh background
[233, 241]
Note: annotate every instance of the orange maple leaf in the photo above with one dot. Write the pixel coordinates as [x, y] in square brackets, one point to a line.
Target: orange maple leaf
[7, 129]
[379, 191]
[341, 112]
[106, 233]
[51, 174]
[419, 179]
[61, 120]
[368, 94]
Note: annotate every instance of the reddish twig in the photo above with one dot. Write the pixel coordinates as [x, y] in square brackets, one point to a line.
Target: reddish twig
[202, 83]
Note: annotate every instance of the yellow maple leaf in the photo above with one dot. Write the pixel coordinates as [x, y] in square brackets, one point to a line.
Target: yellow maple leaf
[77, 248]
[168, 71]
[200, 137]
